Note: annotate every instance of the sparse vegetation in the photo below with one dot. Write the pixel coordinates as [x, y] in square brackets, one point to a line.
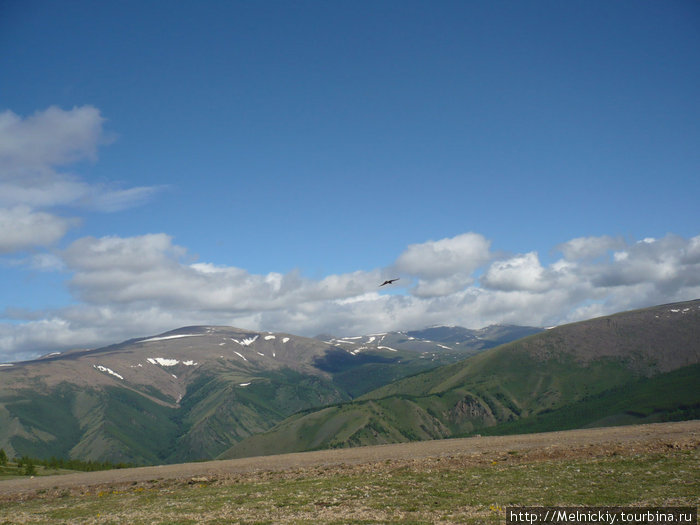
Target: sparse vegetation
[472, 488]
[28, 466]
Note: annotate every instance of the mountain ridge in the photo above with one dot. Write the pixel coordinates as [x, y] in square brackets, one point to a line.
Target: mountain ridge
[564, 370]
[198, 392]
[192, 391]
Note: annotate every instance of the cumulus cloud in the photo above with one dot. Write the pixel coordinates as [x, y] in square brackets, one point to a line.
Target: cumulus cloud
[444, 266]
[150, 269]
[22, 228]
[131, 286]
[522, 272]
[34, 152]
[590, 247]
[436, 259]
[52, 137]
[665, 265]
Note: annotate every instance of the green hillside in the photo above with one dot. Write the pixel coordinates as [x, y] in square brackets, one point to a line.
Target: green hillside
[192, 393]
[672, 396]
[630, 367]
[217, 413]
[119, 425]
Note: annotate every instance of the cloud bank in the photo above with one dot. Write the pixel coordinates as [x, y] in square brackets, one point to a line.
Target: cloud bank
[125, 287]
[131, 286]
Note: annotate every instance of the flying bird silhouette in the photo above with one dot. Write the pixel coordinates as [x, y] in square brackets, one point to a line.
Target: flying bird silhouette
[389, 281]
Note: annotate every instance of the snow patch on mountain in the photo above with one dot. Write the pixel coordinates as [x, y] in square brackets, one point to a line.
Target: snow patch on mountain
[166, 337]
[247, 341]
[105, 369]
[678, 310]
[162, 361]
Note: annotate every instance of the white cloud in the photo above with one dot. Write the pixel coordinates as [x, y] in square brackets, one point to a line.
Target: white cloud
[33, 151]
[444, 258]
[441, 287]
[138, 286]
[522, 272]
[124, 254]
[53, 137]
[107, 198]
[32, 148]
[22, 228]
[589, 247]
[666, 262]
[445, 266]
[149, 269]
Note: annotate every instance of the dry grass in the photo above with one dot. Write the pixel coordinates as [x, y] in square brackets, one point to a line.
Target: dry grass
[459, 488]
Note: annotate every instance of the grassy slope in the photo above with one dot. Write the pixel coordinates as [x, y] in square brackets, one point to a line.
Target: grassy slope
[560, 374]
[119, 425]
[484, 390]
[108, 425]
[50, 425]
[217, 411]
[673, 396]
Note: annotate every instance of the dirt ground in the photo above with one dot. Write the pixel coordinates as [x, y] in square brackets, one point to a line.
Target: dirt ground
[567, 444]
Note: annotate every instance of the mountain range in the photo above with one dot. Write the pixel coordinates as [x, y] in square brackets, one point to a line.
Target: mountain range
[192, 393]
[203, 392]
[632, 367]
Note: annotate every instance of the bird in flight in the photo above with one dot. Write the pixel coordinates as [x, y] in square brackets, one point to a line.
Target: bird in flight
[389, 281]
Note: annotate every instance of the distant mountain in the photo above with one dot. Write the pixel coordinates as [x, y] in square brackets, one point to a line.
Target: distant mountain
[362, 363]
[630, 367]
[193, 392]
[185, 394]
[488, 337]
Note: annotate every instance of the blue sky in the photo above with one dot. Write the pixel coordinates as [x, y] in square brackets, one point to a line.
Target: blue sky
[267, 164]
